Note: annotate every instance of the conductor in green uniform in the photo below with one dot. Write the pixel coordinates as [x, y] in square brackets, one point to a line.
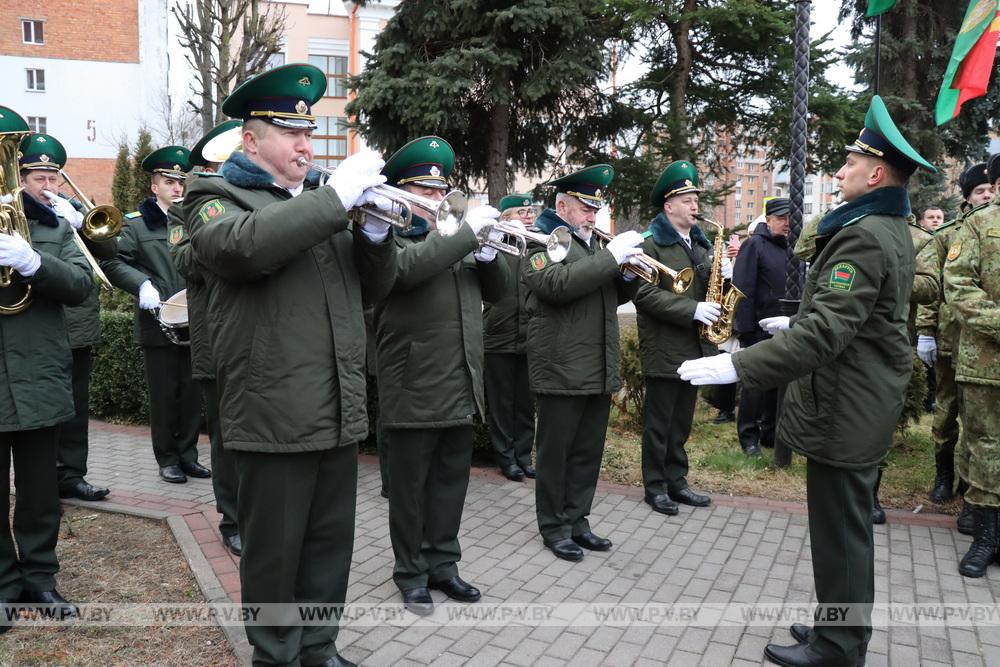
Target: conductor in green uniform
[207, 157]
[47, 272]
[573, 357]
[847, 360]
[429, 339]
[143, 267]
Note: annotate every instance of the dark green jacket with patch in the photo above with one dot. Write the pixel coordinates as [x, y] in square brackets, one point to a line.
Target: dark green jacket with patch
[286, 281]
[505, 322]
[179, 241]
[668, 333]
[83, 322]
[573, 316]
[847, 357]
[926, 276]
[143, 254]
[36, 374]
[429, 330]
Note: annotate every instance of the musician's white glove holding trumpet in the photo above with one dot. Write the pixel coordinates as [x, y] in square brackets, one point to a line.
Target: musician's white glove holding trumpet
[18, 254]
[624, 247]
[351, 179]
[479, 218]
[64, 209]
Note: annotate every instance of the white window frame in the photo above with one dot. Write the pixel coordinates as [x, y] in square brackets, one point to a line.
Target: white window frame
[32, 22]
[33, 79]
[38, 124]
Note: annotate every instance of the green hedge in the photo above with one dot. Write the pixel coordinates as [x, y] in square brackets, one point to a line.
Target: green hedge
[118, 379]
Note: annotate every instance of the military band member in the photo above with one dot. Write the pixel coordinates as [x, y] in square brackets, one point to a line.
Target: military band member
[669, 333]
[286, 280]
[48, 273]
[509, 402]
[42, 156]
[429, 337]
[143, 267]
[206, 158]
[573, 357]
[847, 358]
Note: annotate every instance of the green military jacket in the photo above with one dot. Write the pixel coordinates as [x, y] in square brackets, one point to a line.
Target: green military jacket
[429, 330]
[668, 334]
[83, 322]
[179, 242]
[573, 316]
[972, 289]
[847, 357]
[143, 255]
[505, 321]
[927, 273]
[286, 280]
[38, 364]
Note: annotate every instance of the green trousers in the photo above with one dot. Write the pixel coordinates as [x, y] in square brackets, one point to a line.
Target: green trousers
[843, 552]
[71, 457]
[510, 408]
[36, 512]
[428, 480]
[224, 481]
[296, 518]
[666, 424]
[979, 455]
[569, 444]
[945, 428]
[174, 404]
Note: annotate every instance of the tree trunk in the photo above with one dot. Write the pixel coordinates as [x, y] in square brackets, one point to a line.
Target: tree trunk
[677, 118]
[496, 159]
[202, 52]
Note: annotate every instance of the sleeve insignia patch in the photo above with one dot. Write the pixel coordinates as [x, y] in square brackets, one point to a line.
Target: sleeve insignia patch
[211, 210]
[176, 235]
[954, 251]
[842, 276]
[539, 261]
[133, 214]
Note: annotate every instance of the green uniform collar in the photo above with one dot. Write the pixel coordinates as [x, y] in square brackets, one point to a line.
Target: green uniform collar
[881, 201]
[664, 233]
[549, 220]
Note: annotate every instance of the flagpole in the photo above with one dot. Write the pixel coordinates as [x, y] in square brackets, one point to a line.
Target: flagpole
[878, 50]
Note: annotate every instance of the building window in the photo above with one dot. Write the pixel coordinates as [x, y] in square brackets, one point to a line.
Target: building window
[329, 140]
[32, 31]
[36, 79]
[336, 72]
[739, 204]
[38, 124]
[749, 218]
[808, 209]
[275, 60]
[809, 188]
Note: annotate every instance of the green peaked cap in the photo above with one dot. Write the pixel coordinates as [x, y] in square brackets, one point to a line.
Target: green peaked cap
[882, 139]
[587, 184]
[678, 178]
[218, 144]
[426, 161]
[172, 161]
[42, 151]
[513, 201]
[282, 96]
[11, 121]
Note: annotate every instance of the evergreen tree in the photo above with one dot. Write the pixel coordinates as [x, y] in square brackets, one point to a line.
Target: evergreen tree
[140, 179]
[121, 182]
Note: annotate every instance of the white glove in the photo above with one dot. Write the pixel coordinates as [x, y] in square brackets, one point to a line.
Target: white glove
[64, 209]
[488, 253]
[709, 370]
[355, 175]
[707, 312]
[625, 245]
[927, 349]
[149, 298]
[481, 216]
[6, 198]
[727, 269]
[773, 325]
[17, 253]
[374, 228]
[633, 260]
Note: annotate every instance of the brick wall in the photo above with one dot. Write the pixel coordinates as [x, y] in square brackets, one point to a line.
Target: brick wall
[102, 30]
[93, 176]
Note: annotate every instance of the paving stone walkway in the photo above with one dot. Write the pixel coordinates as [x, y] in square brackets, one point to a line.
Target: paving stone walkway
[741, 550]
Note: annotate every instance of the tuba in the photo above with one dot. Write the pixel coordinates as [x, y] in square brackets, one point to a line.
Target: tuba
[722, 329]
[12, 217]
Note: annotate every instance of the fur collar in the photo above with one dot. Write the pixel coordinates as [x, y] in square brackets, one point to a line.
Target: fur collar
[418, 227]
[881, 201]
[664, 233]
[38, 212]
[549, 220]
[242, 172]
[152, 214]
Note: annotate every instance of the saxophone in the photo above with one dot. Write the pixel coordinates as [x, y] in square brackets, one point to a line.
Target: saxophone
[729, 299]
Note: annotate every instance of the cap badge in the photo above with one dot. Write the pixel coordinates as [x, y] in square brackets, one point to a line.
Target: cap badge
[434, 144]
[301, 106]
[526, 203]
[305, 81]
[435, 171]
[40, 140]
[604, 172]
[597, 193]
[44, 158]
[177, 167]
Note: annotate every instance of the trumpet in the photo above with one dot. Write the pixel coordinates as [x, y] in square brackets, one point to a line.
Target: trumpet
[653, 271]
[449, 213]
[100, 223]
[516, 239]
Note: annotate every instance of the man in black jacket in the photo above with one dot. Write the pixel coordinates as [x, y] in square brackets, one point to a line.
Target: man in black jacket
[760, 274]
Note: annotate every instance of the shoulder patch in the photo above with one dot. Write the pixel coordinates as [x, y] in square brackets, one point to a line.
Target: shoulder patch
[176, 235]
[842, 276]
[133, 214]
[211, 210]
[539, 260]
[954, 251]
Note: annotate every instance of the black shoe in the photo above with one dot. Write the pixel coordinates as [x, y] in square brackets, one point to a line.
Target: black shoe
[418, 600]
[750, 449]
[686, 496]
[590, 541]
[457, 589]
[173, 474]
[878, 514]
[529, 471]
[565, 549]
[801, 632]
[801, 655]
[53, 599]
[944, 479]
[195, 469]
[233, 543]
[335, 661]
[724, 417]
[84, 491]
[966, 524]
[662, 503]
[513, 472]
[984, 548]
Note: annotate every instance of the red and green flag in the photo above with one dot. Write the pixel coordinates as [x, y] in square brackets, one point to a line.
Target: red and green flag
[876, 7]
[971, 64]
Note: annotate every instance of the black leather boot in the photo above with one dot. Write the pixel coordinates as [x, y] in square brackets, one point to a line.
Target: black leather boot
[984, 548]
[944, 480]
[966, 525]
[878, 514]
